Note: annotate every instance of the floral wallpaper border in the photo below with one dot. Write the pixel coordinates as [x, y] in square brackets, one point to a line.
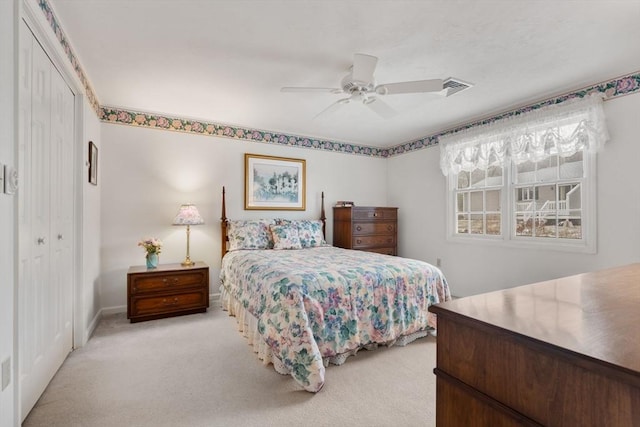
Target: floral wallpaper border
[617, 87]
[137, 118]
[75, 63]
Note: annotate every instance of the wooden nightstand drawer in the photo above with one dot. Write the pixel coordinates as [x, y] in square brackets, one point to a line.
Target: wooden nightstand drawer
[363, 228]
[164, 281]
[169, 290]
[141, 306]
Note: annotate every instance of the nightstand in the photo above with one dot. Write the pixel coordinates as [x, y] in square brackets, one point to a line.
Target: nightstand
[165, 291]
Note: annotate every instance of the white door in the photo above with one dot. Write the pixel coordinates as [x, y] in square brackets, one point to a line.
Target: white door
[44, 274]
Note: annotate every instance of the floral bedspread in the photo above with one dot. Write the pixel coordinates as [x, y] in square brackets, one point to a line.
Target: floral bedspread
[321, 302]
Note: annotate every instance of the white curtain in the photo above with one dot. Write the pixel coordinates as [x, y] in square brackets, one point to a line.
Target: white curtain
[561, 129]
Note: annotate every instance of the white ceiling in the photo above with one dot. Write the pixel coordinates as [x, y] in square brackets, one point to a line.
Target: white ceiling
[225, 61]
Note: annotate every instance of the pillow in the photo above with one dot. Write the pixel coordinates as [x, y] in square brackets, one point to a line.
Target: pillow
[285, 236]
[310, 232]
[251, 234]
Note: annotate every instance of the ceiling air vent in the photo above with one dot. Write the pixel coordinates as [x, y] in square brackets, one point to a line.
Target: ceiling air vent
[455, 86]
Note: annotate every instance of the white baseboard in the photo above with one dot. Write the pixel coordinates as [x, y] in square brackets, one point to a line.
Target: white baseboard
[105, 311]
[92, 326]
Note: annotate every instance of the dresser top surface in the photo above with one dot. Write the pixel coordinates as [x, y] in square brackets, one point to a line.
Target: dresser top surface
[593, 314]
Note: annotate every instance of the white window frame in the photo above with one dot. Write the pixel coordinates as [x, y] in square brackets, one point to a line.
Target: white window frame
[587, 244]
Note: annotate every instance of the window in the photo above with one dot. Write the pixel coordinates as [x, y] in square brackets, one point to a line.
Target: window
[528, 182]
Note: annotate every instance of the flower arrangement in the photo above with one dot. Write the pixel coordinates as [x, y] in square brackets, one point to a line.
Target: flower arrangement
[151, 245]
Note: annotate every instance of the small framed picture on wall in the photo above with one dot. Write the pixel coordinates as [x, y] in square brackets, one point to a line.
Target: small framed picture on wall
[93, 163]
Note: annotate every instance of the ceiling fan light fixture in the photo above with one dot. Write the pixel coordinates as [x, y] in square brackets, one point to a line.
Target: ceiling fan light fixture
[381, 90]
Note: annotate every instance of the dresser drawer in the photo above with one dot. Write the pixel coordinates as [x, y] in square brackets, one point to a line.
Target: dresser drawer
[370, 241]
[363, 228]
[158, 282]
[375, 214]
[384, 251]
[153, 305]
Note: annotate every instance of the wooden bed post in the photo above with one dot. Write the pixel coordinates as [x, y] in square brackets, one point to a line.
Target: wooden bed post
[323, 217]
[223, 225]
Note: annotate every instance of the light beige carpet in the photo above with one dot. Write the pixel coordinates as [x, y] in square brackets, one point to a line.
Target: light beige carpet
[198, 370]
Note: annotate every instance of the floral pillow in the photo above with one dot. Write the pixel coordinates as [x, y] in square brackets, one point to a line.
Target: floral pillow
[285, 236]
[251, 234]
[310, 232]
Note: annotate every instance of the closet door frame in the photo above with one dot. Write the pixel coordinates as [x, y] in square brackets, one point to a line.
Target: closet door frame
[36, 22]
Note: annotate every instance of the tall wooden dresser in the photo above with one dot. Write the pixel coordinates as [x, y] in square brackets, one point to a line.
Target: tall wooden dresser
[366, 228]
[560, 353]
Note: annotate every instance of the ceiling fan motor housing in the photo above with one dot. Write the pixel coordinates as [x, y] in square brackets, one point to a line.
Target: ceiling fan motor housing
[353, 86]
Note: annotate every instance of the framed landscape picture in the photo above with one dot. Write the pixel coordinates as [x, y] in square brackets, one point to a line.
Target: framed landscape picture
[274, 183]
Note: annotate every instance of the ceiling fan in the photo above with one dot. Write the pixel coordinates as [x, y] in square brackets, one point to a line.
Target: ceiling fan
[360, 85]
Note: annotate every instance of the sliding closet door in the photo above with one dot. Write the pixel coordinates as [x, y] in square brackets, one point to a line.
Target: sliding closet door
[45, 219]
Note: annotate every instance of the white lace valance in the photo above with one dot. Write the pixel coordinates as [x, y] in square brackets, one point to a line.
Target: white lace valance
[561, 129]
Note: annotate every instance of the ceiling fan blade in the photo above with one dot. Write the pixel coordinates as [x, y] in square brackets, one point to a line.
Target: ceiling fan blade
[311, 89]
[434, 85]
[333, 107]
[380, 107]
[363, 68]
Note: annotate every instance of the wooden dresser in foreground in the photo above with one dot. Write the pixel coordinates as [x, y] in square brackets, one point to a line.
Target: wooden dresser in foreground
[560, 353]
[168, 290]
[372, 229]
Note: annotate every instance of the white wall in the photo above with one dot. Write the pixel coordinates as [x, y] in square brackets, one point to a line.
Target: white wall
[146, 174]
[7, 206]
[89, 298]
[417, 186]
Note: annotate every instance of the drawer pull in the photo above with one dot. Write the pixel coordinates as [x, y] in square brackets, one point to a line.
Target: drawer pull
[358, 241]
[376, 214]
[173, 302]
[359, 228]
[389, 227]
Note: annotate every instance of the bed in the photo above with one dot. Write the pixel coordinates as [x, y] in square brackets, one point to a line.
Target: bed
[303, 304]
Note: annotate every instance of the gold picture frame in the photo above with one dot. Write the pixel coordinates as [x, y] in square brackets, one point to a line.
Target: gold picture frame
[274, 183]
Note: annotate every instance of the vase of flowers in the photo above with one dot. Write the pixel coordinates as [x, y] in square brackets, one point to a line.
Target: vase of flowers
[152, 247]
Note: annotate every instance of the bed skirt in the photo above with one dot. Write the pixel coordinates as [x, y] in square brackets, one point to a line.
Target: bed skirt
[248, 327]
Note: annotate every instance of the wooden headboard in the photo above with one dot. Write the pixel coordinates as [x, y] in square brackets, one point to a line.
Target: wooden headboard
[224, 223]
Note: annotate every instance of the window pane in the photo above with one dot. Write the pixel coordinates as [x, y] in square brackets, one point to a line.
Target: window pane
[477, 178]
[571, 167]
[524, 224]
[493, 224]
[462, 226]
[492, 200]
[463, 202]
[569, 196]
[477, 226]
[545, 196]
[525, 172]
[547, 169]
[476, 201]
[463, 179]
[545, 226]
[494, 176]
[571, 226]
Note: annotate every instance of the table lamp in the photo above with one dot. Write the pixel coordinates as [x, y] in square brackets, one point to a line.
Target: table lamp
[188, 215]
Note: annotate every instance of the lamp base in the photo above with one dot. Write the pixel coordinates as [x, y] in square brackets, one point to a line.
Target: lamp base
[187, 263]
